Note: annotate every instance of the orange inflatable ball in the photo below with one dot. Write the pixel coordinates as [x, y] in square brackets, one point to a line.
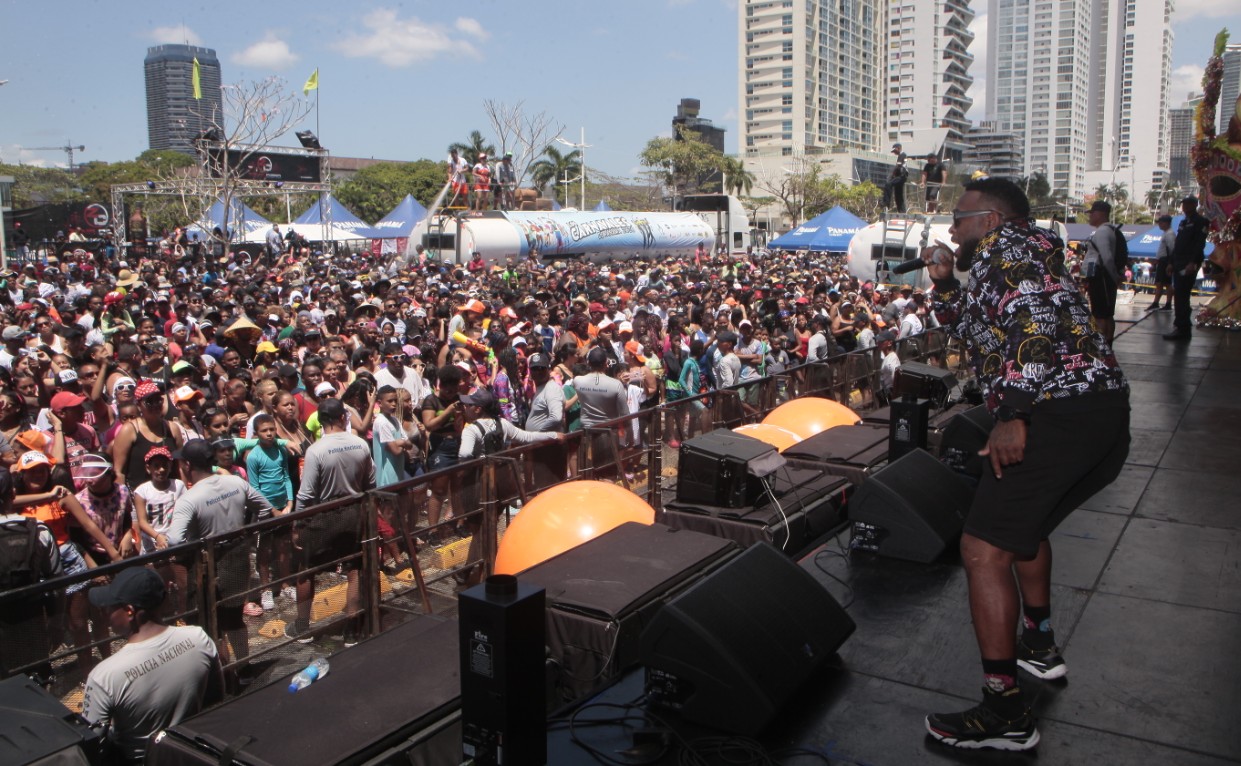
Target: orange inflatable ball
[564, 517]
[811, 415]
[780, 438]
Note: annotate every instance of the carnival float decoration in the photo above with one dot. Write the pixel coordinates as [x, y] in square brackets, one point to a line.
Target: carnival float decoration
[1216, 162]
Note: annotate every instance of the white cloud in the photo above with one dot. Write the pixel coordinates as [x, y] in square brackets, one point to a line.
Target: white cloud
[471, 27]
[16, 154]
[179, 34]
[269, 53]
[397, 42]
[1188, 10]
[1184, 80]
[978, 70]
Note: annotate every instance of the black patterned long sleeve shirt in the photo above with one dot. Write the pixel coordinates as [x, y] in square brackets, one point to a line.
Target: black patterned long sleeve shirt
[1027, 324]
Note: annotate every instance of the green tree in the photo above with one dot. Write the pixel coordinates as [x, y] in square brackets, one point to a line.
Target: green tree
[34, 186]
[739, 181]
[376, 189]
[474, 145]
[686, 162]
[554, 168]
[1038, 189]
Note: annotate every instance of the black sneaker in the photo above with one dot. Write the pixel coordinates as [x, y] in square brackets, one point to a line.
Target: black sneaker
[1153, 306]
[298, 632]
[1166, 307]
[351, 639]
[1046, 664]
[988, 724]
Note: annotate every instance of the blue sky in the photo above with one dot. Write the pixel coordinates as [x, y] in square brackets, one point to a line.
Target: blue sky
[402, 80]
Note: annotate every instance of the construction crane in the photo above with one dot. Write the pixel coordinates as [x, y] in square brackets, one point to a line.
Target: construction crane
[68, 149]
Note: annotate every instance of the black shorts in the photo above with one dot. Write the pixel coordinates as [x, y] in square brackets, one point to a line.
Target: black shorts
[1102, 291]
[330, 536]
[1162, 268]
[1074, 448]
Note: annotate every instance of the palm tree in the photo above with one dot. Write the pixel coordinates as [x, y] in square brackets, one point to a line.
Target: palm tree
[474, 146]
[739, 180]
[554, 167]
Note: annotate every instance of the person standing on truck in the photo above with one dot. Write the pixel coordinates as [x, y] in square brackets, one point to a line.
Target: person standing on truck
[506, 183]
[457, 168]
[482, 182]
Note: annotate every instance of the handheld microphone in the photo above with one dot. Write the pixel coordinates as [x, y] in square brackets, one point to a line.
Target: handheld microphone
[904, 267]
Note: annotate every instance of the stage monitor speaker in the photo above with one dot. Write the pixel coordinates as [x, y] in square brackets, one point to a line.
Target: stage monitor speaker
[730, 651]
[36, 728]
[391, 699]
[722, 468]
[604, 592]
[964, 435]
[925, 381]
[913, 509]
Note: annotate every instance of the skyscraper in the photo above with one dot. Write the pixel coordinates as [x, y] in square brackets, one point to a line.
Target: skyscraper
[927, 76]
[1180, 139]
[687, 118]
[810, 76]
[1229, 87]
[1085, 83]
[174, 117]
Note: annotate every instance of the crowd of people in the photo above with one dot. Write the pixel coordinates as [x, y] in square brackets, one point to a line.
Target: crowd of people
[149, 400]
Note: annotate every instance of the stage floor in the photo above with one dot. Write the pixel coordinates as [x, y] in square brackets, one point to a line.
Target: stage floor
[1146, 598]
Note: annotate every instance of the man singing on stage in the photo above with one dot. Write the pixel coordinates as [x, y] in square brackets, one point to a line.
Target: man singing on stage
[1061, 408]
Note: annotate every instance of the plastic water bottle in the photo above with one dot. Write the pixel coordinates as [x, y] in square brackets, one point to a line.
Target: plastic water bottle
[313, 672]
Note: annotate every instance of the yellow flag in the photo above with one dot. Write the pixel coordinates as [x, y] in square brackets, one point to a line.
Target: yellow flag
[312, 83]
[197, 80]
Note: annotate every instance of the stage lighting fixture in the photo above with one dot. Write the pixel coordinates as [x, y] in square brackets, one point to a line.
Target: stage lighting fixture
[280, 184]
[150, 184]
[309, 140]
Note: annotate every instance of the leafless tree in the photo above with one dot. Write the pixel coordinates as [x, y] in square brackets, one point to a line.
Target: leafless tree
[525, 135]
[253, 116]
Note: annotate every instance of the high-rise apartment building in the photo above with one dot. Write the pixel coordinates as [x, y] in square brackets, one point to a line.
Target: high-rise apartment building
[1229, 87]
[1180, 139]
[995, 152]
[927, 76]
[810, 76]
[174, 117]
[1085, 84]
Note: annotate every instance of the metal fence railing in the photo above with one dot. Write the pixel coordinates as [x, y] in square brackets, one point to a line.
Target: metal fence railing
[368, 562]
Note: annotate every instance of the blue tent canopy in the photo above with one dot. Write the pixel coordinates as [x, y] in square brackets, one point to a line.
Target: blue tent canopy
[1146, 244]
[345, 225]
[402, 220]
[827, 232]
[602, 207]
[243, 222]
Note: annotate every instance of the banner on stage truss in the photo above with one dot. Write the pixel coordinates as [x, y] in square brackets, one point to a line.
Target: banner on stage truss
[267, 165]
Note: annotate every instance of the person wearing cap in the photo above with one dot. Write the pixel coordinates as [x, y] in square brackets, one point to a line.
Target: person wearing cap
[1102, 276]
[163, 675]
[14, 338]
[889, 363]
[547, 405]
[71, 439]
[155, 498]
[136, 437]
[1061, 406]
[894, 189]
[1163, 264]
[215, 504]
[338, 465]
[1188, 252]
[602, 397]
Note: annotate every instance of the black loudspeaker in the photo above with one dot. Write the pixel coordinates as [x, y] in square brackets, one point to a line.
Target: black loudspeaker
[925, 381]
[964, 435]
[503, 703]
[730, 651]
[714, 469]
[35, 727]
[907, 430]
[913, 508]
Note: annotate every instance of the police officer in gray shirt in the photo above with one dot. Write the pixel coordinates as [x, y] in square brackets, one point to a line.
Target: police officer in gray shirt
[602, 397]
[338, 465]
[219, 503]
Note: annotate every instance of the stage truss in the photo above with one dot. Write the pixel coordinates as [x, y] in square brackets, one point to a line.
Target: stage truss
[207, 189]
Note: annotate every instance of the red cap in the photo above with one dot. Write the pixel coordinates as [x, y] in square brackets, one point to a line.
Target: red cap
[66, 399]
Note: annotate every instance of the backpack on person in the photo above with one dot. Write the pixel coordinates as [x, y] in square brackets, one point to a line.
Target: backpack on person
[18, 543]
[1120, 250]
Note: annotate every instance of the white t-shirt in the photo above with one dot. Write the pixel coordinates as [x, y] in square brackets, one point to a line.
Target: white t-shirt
[159, 504]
